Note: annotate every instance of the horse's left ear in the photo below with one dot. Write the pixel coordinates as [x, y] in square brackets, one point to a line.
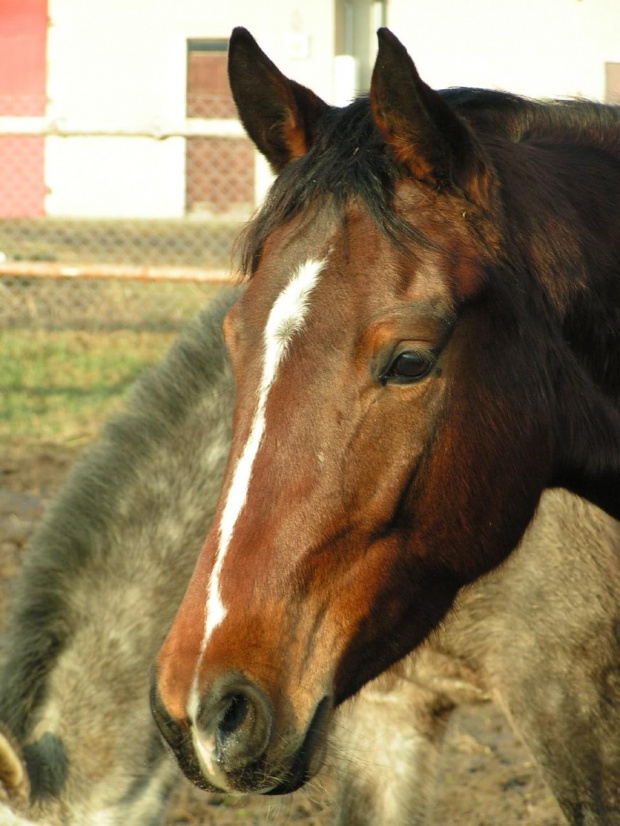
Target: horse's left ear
[278, 114]
[426, 135]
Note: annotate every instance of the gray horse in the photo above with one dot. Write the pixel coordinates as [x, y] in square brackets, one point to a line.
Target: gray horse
[107, 569]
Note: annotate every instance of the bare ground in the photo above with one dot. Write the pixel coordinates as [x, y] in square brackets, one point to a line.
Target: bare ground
[486, 777]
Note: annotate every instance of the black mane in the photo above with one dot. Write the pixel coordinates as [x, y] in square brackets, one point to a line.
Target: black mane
[351, 159]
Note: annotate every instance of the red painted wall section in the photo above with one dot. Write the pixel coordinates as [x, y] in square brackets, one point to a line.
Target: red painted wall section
[23, 71]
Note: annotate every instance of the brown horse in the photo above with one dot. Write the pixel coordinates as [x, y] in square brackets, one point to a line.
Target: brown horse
[428, 340]
[106, 571]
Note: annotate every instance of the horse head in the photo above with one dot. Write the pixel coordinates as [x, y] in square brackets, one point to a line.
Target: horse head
[405, 392]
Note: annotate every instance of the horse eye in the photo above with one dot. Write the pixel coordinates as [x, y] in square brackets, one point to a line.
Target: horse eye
[409, 367]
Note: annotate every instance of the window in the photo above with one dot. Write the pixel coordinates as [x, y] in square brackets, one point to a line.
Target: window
[219, 171]
[208, 92]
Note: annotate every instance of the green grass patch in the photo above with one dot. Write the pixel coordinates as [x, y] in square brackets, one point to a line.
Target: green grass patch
[60, 385]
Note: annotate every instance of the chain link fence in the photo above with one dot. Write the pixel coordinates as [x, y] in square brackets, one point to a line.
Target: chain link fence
[182, 192]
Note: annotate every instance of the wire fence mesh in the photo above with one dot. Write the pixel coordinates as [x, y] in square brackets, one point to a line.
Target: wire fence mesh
[104, 304]
[83, 270]
[63, 264]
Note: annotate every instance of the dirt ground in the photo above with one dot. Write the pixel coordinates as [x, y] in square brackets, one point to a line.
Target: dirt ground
[486, 777]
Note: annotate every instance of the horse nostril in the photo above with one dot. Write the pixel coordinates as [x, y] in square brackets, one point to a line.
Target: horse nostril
[233, 716]
[237, 715]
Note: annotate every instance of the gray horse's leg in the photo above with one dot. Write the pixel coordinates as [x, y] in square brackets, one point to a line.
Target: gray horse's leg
[560, 681]
[570, 722]
[545, 629]
[386, 745]
[576, 750]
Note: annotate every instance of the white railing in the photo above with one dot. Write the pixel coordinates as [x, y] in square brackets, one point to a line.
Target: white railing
[160, 130]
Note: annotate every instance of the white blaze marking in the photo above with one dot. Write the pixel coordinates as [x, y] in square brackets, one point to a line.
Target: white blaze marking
[285, 319]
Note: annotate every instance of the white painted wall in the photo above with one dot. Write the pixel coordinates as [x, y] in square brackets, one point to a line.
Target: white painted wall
[115, 177]
[539, 48]
[122, 64]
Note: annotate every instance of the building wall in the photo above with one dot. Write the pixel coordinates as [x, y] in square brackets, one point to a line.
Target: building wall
[539, 48]
[122, 64]
[23, 34]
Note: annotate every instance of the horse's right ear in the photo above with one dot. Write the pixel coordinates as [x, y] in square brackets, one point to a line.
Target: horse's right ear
[426, 136]
[278, 114]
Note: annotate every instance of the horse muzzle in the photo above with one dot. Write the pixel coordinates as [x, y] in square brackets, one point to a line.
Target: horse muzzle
[231, 744]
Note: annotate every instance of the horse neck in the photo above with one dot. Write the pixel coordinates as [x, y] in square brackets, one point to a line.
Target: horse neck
[564, 201]
[592, 330]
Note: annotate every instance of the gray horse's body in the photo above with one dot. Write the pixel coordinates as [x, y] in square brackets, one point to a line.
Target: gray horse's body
[101, 583]
[107, 570]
